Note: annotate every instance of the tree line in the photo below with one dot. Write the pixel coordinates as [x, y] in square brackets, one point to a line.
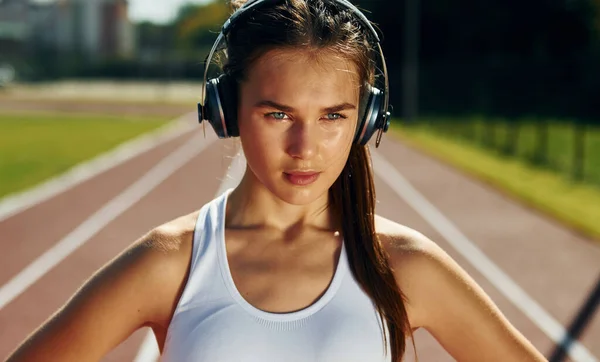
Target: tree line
[500, 57]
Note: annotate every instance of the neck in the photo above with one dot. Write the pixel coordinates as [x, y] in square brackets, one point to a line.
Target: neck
[252, 205]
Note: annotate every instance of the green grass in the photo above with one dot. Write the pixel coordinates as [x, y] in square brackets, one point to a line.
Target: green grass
[495, 134]
[575, 204]
[34, 147]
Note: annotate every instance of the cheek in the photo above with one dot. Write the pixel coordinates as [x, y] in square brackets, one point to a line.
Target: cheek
[337, 144]
[261, 148]
[340, 137]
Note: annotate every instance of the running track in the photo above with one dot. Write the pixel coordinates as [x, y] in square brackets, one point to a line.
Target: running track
[538, 273]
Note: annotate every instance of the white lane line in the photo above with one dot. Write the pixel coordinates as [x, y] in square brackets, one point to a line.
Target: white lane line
[511, 290]
[115, 207]
[17, 202]
[149, 351]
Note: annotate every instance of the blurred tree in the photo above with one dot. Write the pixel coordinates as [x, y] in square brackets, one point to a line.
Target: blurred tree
[498, 57]
[197, 25]
[596, 6]
[154, 36]
[506, 57]
[176, 50]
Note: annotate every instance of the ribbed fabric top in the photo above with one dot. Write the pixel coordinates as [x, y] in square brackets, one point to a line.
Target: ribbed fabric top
[213, 321]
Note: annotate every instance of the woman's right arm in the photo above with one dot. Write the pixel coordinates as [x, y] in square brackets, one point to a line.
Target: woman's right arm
[137, 288]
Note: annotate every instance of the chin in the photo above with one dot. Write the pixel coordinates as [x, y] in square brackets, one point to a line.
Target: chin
[299, 195]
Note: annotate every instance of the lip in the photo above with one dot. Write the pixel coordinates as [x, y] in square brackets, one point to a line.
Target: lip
[302, 172]
[301, 178]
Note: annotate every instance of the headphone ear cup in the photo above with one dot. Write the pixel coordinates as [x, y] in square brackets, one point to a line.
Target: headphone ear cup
[228, 91]
[212, 111]
[220, 109]
[371, 113]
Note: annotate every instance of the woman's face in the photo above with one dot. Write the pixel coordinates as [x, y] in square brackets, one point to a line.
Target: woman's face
[297, 117]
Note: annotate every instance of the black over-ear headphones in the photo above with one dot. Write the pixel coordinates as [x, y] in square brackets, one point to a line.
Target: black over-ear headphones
[220, 94]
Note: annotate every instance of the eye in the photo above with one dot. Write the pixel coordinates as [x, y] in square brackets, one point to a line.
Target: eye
[334, 116]
[277, 115]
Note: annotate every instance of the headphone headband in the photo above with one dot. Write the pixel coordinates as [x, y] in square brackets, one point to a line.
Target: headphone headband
[254, 5]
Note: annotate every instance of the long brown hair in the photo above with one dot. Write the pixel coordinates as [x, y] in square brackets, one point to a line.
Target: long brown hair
[322, 24]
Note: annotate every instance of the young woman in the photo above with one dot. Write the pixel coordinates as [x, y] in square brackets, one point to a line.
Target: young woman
[292, 264]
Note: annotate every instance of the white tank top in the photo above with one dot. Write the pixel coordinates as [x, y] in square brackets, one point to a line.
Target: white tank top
[213, 322]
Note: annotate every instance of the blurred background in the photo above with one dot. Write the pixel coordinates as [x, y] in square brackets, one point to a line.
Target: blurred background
[504, 91]
[501, 58]
[517, 80]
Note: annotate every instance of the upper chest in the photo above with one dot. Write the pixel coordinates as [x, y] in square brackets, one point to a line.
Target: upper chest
[278, 276]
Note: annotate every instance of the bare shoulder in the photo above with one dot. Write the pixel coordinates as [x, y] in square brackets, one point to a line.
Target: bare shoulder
[410, 254]
[409, 251]
[138, 287]
[401, 241]
[172, 237]
[164, 257]
[424, 271]
[444, 299]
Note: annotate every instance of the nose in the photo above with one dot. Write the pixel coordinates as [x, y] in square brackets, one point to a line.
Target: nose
[302, 140]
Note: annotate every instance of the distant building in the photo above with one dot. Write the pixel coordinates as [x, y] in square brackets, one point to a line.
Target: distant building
[14, 29]
[95, 28]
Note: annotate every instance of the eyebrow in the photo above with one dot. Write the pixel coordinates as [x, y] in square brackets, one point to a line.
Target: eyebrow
[337, 108]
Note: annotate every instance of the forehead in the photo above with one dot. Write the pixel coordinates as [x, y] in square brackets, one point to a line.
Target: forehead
[321, 73]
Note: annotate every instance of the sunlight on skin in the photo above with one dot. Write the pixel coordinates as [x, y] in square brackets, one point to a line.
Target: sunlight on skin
[288, 121]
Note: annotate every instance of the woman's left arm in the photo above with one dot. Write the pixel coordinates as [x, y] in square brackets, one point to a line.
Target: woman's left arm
[447, 302]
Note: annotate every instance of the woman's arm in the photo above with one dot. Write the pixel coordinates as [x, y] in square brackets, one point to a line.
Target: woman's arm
[132, 290]
[447, 302]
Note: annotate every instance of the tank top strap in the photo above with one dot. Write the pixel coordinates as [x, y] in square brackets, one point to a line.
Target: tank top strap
[204, 280]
